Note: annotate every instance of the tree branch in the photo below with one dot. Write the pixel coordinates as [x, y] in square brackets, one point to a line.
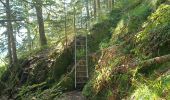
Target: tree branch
[3, 3]
[3, 61]
[12, 20]
[28, 2]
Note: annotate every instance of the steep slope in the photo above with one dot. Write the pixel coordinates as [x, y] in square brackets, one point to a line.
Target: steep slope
[142, 33]
[37, 71]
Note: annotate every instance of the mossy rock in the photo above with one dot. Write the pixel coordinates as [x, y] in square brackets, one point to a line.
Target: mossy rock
[39, 73]
[61, 64]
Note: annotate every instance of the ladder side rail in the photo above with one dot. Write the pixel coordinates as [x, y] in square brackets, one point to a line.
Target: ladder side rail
[75, 59]
[86, 59]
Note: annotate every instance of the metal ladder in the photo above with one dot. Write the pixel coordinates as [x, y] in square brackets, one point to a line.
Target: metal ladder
[81, 60]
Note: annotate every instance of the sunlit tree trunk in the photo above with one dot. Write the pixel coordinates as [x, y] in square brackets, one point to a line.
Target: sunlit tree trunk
[65, 24]
[38, 7]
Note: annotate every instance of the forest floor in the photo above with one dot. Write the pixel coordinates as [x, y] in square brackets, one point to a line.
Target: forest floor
[73, 95]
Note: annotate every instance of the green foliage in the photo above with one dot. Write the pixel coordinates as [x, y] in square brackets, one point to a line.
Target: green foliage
[105, 43]
[149, 89]
[66, 82]
[61, 64]
[88, 90]
[25, 54]
[2, 85]
[99, 31]
[130, 23]
[42, 92]
[127, 27]
[80, 53]
[154, 37]
[36, 92]
[126, 4]
[143, 92]
[137, 16]
[2, 70]
[25, 89]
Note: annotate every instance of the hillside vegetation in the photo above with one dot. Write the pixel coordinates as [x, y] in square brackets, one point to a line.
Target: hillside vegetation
[128, 58]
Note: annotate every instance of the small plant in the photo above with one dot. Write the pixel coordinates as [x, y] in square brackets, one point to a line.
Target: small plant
[80, 53]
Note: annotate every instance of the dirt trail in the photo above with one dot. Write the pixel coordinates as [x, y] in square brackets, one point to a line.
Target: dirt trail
[73, 95]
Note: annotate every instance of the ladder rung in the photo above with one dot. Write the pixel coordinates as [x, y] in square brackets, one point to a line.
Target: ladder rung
[80, 82]
[81, 77]
[81, 68]
[80, 37]
[80, 45]
[81, 65]
[81, 71]
[83, 57]
[81, 60]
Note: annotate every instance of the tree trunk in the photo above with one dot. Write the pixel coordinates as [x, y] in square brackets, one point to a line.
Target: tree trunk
[98, 4]
[98, 8]
[156, 60]
[87, 9]
[94, 8]
[38, 7]
[29, 39]
[145, 63]
[9, 45]
[65, 24]
[141, 64]
[11, 40]
[74, 20]
[110, 4]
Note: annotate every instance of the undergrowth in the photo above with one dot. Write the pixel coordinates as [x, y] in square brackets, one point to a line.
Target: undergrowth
[142, 32]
